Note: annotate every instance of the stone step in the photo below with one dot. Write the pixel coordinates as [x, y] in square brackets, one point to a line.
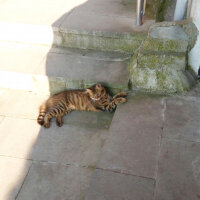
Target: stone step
[107, 25]
[75, 37]
[47, 70]
[160, 64]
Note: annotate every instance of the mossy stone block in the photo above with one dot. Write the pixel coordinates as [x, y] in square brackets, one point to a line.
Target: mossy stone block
[165, 45]
[161, 81]
[153, 61]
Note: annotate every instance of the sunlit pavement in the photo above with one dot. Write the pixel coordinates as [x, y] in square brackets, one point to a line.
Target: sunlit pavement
[148, 150]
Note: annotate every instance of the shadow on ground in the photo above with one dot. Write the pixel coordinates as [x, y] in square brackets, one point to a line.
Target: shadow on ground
[57, 163]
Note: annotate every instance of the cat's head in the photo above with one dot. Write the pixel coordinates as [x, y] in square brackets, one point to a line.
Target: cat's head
[96, 91]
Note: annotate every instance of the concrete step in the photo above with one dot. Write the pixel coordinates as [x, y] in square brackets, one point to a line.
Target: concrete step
[103, 24]
[47, 70]
[75, 37]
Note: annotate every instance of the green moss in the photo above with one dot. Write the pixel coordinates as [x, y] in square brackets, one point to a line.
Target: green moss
[143, 79]
[99, 41]
[192, 33]
[163, 45]
[153, 61]
[161, 79]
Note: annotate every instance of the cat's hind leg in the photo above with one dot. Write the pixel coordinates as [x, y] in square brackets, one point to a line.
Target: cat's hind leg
[59, 121]
[49, 115]
[59, 116]
[47, 119]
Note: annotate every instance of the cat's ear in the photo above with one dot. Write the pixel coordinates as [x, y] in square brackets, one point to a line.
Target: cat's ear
[89, 90]
[98, 86]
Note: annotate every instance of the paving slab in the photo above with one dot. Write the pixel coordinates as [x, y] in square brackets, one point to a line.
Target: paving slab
[20, 104]
[109, 185]
[12, 174]
[69, 145]
[24, 138]
[182, 118]
[53, 181]
[100, 120]
[21, 57]
[17, 137]
[178, 171]
[133, 143]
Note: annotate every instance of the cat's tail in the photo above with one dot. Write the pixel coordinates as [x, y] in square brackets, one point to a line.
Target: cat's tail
[42, 112]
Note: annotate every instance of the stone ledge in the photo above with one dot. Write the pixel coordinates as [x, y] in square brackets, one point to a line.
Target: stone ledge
[43, 84]
[98, 41]
[47, 35]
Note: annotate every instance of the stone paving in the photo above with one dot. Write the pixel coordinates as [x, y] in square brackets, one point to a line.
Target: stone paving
[148, 150]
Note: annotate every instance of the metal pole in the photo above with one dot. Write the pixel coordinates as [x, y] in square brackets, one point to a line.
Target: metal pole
[139, 12]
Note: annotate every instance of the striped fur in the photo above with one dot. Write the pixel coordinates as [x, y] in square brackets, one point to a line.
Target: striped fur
[94, 99]
[42, 113]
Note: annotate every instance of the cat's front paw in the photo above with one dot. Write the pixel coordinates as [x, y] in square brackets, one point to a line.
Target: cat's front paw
[46, 125]
[112, 109]
[121, 94]
[121, 100]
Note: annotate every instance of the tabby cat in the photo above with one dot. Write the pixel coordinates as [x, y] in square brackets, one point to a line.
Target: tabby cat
[94, 98]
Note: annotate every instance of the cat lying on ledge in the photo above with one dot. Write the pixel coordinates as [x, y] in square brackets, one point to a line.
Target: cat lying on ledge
[94, 98]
